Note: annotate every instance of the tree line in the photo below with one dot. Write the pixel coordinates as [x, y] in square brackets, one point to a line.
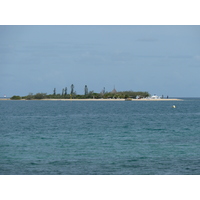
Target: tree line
[87, 94]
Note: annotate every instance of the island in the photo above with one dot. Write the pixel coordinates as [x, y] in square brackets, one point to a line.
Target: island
[93, 96]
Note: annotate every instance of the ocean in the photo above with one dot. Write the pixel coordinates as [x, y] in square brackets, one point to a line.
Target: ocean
[100, 138]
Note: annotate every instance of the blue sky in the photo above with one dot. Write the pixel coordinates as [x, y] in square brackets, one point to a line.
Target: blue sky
[163, 60]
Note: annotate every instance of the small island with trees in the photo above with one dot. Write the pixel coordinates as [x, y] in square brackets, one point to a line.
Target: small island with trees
[113, 95]
[92, 96]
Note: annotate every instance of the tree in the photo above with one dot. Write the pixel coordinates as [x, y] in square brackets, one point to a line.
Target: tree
[104, 90]
[86, 90]
[40, 96]
[65, 90]
[15, 97]
[72, 89]
[30, 96]
[54, 91]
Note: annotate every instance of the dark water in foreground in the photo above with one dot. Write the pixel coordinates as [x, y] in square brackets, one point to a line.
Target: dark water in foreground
[56, 137]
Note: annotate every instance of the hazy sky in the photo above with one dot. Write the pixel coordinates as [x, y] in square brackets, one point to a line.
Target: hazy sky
[163, 60]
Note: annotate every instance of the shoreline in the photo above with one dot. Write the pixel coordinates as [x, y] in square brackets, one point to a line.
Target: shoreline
[1, 99]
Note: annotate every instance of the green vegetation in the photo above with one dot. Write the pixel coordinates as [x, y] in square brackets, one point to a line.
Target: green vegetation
[90, 95]
[87, 95]
[15, 98]
[126, 94]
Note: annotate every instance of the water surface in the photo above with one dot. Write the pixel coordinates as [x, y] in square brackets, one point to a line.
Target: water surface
[61, 137]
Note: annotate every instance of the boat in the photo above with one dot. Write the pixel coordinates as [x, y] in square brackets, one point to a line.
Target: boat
[155, 97]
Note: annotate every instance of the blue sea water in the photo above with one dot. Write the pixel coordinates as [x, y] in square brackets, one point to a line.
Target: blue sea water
[130, 138]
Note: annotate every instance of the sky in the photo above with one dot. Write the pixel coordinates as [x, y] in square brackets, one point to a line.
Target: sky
[162, 60]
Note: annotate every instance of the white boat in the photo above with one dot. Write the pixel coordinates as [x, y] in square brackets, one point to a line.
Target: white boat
[155, 97]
